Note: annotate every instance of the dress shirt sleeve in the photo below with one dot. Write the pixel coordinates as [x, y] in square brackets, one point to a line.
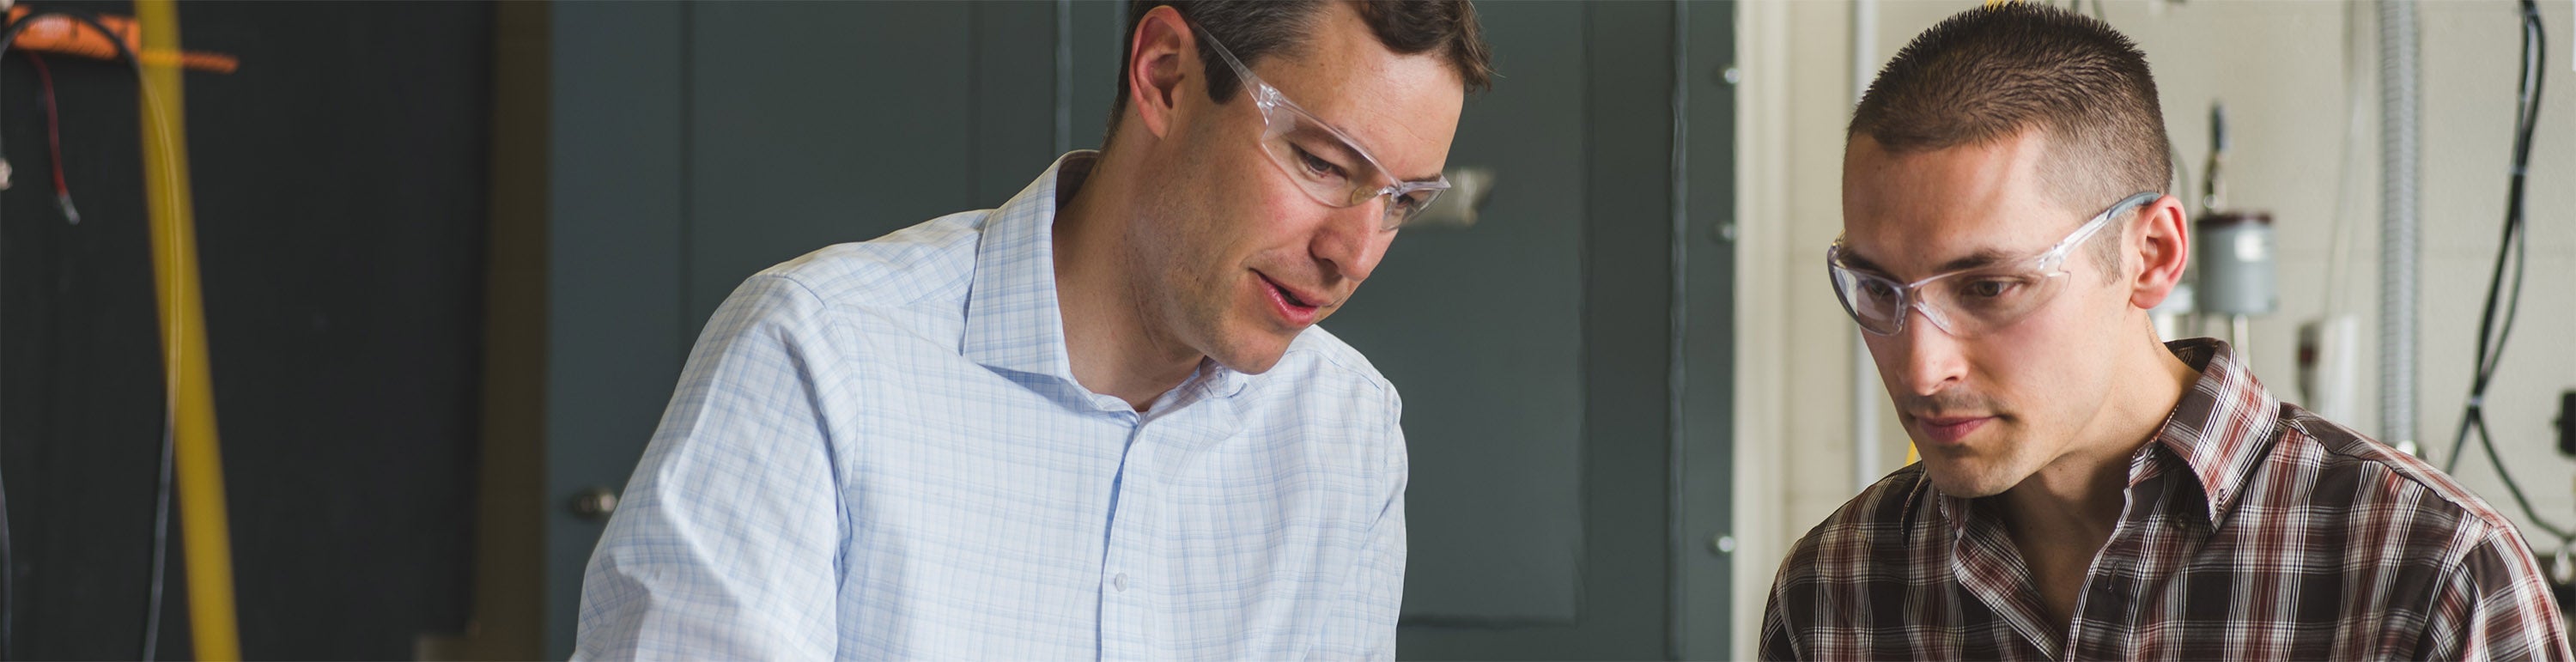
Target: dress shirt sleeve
[1361, 622]
[728, 540]
[2494, 605]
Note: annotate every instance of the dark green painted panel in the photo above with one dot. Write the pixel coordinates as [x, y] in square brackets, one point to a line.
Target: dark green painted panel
[816, 123]
[1013, 53]
[1481, 329]
[615, 332]
[1704, 500]
[1097, 27]
[1626, 280]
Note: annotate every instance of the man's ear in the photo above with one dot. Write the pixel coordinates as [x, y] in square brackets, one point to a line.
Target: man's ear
[1165, 51]
[2162, 244]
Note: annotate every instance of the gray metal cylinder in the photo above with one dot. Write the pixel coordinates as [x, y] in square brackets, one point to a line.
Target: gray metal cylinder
[2237, 276]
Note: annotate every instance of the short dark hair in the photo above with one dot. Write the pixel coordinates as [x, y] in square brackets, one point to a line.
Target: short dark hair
[1990, 73]
[1252, 29]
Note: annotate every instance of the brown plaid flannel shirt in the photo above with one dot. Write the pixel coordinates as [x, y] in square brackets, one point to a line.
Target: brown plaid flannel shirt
[2254, 531]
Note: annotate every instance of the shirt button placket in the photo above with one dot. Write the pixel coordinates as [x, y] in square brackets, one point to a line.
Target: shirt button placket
[1125, 625]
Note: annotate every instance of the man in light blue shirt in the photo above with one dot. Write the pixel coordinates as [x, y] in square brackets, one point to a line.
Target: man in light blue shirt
[1092, 423]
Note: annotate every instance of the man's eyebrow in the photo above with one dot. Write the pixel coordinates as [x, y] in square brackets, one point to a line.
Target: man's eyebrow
[1980, 258]
[1855, 261]
[1350, 149]
[1350, 152]
[1355, 151]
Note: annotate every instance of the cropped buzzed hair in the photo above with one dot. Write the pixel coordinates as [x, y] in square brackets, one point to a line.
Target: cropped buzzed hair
[1990, 73]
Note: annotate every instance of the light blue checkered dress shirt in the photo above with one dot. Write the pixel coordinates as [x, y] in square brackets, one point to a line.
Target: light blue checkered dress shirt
[878, 450]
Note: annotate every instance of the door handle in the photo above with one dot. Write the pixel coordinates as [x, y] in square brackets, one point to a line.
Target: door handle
[594, 503]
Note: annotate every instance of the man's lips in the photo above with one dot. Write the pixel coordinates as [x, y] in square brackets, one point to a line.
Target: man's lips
[1295, 306]
[1950, 429]
[1298, 297]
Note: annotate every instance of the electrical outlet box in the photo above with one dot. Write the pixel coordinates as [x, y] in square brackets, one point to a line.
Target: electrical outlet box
[2567, 422]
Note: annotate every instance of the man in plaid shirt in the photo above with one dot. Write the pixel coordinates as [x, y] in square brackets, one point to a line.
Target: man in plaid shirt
[2087, 491]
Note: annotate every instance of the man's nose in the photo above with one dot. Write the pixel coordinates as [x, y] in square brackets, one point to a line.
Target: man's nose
[1930, 360]
[1350, 242]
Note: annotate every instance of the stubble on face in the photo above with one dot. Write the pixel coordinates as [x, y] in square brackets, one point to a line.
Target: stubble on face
[2038, 382]
[1227, 222]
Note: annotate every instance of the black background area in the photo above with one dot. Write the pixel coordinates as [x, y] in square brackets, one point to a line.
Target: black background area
[340, 195]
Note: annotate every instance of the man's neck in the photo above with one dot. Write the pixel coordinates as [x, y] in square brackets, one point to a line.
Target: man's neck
[2077, 499]
[2084, 487]
[1115, 351]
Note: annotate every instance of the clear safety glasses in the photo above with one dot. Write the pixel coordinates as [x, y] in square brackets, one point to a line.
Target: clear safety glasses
[1329, 166]
[1967, 302]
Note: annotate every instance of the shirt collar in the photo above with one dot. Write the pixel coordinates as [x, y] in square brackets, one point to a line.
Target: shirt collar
[1013, 320]
[2220, 429]
[2224, 424]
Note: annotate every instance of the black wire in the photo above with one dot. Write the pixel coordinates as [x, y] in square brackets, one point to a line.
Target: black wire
[9, 583]
[2513, 249]
[2488, 349]
[160, 548]
[8, 557]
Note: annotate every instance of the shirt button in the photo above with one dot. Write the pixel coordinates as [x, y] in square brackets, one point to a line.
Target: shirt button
[1119, 582]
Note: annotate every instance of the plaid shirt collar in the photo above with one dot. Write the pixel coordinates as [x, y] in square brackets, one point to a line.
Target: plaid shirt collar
[2220, 431]
[2222, 428]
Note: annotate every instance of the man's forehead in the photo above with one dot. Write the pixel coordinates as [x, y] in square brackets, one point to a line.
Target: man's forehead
[1918, 213]
[1402, 109]
[1935, 234]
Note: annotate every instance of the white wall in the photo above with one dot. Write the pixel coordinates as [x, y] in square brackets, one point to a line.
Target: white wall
[2279, 67]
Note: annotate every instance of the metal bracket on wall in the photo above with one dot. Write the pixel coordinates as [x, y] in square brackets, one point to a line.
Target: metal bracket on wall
[1468, 187]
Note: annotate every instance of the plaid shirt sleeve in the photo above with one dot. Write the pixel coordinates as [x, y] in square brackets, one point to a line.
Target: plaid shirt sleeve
[1779, 640]
[2493, 605]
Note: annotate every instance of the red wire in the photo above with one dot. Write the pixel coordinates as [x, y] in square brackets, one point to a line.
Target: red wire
[53, 125]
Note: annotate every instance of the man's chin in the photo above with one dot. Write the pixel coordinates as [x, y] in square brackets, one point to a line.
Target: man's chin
[1972, 479]
[1249, 367]
[1251, 353]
